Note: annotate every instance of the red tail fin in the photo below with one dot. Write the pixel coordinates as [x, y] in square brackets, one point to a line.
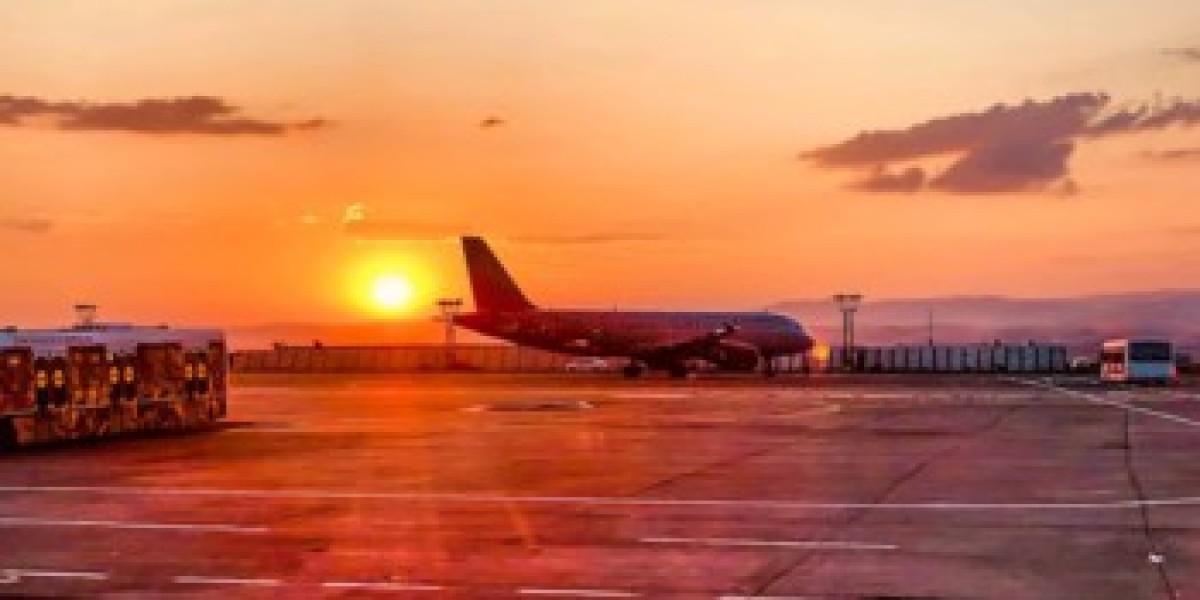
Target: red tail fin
[492, 286]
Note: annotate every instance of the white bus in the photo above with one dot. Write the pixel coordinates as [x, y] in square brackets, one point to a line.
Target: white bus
[1142, 361]
[96, 380]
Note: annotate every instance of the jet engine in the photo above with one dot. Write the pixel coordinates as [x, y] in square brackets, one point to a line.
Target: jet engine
[732, 356]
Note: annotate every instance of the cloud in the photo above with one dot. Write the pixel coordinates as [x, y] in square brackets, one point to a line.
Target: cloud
[1007, 166]
[26, 225]
[907, 181]
[1144, 117]
[1067, 188]
[1192, 53]
[1173, 154]
[188, 115]
[1023, 147]
[1060, 117]
[356, 224]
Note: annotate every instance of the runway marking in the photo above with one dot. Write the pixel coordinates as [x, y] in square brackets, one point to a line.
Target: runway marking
[380, 586]
[1097, 399]
[464, 498]
[202, 527]
[577, 593]
[748, 543]
[766, 598]
[205, 580]
[14, 575]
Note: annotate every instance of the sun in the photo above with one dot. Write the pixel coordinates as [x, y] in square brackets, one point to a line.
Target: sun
[392, 292]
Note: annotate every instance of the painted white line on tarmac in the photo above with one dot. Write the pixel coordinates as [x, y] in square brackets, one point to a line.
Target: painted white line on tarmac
[16, 574]
[201, 527]
[748, 543]
[618, 501]
[766, 598]
[577, 593]
[380, 586]
[1098, 399]
[206, 580]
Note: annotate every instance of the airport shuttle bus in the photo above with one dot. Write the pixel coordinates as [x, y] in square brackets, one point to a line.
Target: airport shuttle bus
[97, 380]
[1137, 361]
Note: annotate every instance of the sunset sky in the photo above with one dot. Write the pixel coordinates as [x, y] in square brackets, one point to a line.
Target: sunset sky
[238, 162]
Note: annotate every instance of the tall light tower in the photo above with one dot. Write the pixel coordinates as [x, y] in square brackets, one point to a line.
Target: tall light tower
[848, 304]
[85, 315]
[449, 307]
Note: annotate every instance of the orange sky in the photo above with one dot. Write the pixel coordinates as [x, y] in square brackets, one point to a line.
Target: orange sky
[660, 138]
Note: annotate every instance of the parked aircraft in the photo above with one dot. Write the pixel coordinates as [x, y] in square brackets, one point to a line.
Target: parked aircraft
[661, 340]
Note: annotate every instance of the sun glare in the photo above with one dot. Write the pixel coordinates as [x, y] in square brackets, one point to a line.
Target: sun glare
[392, 292]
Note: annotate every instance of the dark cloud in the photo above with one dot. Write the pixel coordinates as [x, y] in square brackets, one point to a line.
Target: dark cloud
[27, 225]
[1147, 118]
[1058, 118]
[1174, 154]
[591, 238]
[194, 115]
[907, 181]
[1007, 148]
[1067, 188]
[1185, 53]
[1007, 166]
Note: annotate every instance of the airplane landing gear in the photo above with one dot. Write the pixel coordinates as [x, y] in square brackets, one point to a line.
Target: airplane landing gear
[769, 369]
[677, 371]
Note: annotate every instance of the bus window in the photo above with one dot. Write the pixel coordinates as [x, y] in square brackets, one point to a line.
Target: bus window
[87, 373]
[1150, 352]
[159, 370]
[57, 369]
[16, 378]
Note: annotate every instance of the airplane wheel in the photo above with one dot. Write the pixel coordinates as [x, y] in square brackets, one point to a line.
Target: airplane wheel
[677, 371]
[632, 371]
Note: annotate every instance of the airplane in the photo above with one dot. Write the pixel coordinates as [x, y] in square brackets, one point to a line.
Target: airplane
[658, 340]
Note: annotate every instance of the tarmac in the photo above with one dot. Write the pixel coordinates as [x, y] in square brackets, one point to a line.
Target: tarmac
[586, 486]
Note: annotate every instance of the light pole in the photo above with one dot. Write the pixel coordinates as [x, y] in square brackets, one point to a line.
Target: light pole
[449, 307]
[86, 315]
[848, 304]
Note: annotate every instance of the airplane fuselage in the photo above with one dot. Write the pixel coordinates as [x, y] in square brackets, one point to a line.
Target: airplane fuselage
[632, 334]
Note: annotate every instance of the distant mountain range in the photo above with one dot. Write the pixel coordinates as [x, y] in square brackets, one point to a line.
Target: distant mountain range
[1080, 322]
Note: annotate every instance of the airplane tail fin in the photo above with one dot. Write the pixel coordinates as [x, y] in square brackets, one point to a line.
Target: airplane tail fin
[492, 286]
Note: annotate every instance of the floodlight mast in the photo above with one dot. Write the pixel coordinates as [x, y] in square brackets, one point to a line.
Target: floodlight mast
[448, 309]
[848, 303]
[85, 315]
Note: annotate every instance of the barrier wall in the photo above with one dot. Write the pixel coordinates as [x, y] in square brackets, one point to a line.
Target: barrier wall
[396, 359]
[978, 358]
[974, 358]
